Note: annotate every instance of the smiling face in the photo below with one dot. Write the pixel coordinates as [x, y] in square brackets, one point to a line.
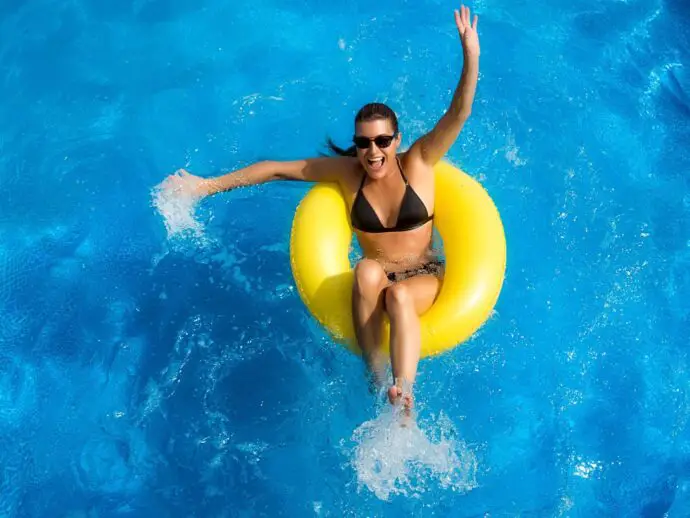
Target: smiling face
[381, 143]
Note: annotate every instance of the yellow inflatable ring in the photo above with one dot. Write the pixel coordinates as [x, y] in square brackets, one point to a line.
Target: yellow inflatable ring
[475, 251]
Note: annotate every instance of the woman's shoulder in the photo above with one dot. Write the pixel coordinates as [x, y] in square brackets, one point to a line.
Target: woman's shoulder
[349, 171]
[414, 167]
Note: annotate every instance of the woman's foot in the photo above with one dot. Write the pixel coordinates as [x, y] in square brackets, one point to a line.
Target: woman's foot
[401, 393]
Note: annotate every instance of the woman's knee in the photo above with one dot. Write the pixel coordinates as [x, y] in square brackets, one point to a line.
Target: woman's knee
[370, 278]
[398, 297]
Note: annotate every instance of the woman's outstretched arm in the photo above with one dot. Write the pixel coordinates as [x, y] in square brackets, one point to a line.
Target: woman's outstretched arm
[434, 145]
[322, 169]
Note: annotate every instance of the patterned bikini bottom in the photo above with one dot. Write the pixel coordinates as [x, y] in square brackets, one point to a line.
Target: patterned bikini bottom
[434, 267]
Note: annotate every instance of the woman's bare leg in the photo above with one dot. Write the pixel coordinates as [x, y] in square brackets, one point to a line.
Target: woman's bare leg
[367, 311]
[405, 301]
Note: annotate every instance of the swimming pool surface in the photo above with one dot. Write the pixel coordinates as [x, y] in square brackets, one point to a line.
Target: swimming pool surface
[156, 361]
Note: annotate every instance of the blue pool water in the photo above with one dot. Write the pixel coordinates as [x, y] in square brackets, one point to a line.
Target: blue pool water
[153, 371]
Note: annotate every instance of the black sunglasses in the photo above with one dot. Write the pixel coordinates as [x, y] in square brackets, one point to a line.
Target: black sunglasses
[381, 141]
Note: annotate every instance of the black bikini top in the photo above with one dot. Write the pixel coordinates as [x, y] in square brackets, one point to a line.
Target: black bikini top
[413, 213]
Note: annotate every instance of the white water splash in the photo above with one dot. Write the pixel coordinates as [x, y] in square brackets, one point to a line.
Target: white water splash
[391, 459]
[178, 209]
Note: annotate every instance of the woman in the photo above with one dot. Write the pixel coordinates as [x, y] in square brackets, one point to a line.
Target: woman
[391, 199]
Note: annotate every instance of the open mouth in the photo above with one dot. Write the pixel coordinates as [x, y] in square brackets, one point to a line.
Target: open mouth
[376, 163]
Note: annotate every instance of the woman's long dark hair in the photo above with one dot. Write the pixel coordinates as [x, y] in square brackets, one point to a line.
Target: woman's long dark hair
[368, 112]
